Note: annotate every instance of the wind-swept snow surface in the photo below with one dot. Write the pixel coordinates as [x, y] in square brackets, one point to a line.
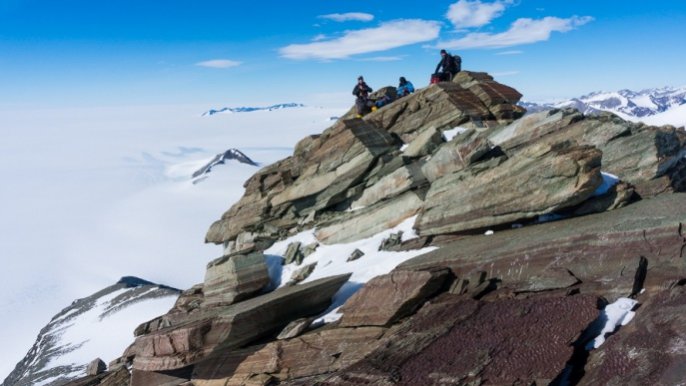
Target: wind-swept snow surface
[91, 195]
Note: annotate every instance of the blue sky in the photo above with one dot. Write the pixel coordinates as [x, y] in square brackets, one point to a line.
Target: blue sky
[217, 53]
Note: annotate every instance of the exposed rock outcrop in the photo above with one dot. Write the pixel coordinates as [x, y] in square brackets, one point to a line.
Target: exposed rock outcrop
[224, 328]
[512, 307]
[538, 180]
[233, 278]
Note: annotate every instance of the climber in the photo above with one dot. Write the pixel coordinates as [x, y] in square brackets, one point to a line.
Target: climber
[450, 66]
[361, 91]
[404, 87]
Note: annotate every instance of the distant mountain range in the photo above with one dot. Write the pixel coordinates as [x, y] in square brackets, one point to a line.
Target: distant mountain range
[251, 109]
[92, 327]
[656, 106]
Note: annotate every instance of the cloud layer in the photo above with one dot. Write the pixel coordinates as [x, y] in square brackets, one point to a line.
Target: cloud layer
[522, 31]
[388, 35]
[218, 63]
[468, 14]
[350, 16]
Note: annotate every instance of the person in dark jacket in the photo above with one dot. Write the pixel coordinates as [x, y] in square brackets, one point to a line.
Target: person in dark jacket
[447, 66]
[361, 91]
[405, 87]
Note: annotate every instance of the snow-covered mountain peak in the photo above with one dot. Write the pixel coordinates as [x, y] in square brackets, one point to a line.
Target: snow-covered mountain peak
[656, 106]
[221, 159]
[99, 325]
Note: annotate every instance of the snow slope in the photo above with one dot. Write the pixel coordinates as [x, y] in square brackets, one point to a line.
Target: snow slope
[91, 195]
[98, 326]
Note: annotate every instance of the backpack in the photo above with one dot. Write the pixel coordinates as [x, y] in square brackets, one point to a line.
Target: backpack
[457, 60]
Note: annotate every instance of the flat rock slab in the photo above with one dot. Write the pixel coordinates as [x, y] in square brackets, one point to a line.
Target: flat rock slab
[387, 298]
[602, 250]
[541, 179]
[230, 327]
[650, 350]
[454, 340]
[504, 342]
[314, 353]
[363, 223]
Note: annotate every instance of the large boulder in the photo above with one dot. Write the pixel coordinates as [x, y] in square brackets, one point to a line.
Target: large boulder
[233, 278]
[500, 99]
[538, 180]
[226, 328]
[441, 106]
[649, 158]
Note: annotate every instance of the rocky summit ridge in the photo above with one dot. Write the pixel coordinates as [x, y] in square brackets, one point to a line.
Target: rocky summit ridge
[518, 307]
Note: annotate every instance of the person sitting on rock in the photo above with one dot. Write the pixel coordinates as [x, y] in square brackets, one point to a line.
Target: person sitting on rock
[405, 87]
[361, 91]
[448, 66]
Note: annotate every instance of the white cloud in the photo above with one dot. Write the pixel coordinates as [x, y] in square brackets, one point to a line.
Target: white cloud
[468, 13]
[522, 31]
[218, 63]
[383, 59]
[512, 52]
[350, 16]
[319, 37]
[388, 35]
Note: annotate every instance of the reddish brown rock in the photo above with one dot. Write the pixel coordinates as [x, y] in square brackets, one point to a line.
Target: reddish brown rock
[387, 298]
[315, 353]
[186, 341]
[440, 106]
[650, 350]
[457, 340]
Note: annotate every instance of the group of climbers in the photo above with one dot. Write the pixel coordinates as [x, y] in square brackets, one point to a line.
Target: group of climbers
[364, 104]
[448, 66]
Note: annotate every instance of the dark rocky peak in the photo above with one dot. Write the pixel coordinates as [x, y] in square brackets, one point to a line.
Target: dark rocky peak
[221, 159]
[52, 359]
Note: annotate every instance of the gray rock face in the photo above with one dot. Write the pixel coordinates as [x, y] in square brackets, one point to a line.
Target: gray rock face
[233, 278]
[540, 179]
[318, 175]
[592, 247]
[96, 367]
[365, 223]
[462, 151]
[649, 158]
